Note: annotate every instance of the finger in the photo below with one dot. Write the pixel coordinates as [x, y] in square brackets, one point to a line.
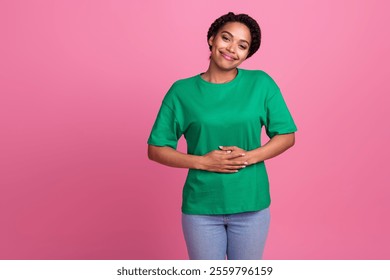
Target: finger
[222, 152]
[224, 148]
[238, 163]
[229, 171]
[234, 169]
[234, 155]
[218, 152]
[236, 166]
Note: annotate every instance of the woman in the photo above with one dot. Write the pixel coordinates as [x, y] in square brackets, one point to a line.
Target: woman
[225, 207]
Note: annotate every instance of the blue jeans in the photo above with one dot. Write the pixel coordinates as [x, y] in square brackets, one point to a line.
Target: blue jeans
[239, 236]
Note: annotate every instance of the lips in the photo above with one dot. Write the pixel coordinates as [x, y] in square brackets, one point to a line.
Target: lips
[227, 57]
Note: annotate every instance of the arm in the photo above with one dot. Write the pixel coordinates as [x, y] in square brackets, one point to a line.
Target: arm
[275, 146]
[215, 161]
[170, 157]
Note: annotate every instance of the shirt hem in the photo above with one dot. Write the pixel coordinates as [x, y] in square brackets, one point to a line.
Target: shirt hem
[223, 212]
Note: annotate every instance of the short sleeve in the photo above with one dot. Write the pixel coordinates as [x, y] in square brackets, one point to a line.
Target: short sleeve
[166, 129]
[278, 117]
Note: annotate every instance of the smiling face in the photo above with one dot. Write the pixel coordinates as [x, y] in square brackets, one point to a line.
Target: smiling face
[230, 46]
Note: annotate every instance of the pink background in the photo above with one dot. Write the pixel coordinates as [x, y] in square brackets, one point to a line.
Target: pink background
[81, 83]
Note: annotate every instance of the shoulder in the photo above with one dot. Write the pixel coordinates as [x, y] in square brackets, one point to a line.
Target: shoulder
[183, 83]
[256, 75]
[260, 79]
[179, 88]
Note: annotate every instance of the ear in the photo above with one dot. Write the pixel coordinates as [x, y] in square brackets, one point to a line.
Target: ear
[211, 40]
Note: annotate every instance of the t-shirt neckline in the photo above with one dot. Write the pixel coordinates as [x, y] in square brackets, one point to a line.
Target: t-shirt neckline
[234, 81]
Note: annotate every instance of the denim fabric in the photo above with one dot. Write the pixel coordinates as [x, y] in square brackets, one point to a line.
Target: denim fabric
[238, 236]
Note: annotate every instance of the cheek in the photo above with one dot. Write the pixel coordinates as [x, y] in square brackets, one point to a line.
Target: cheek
[220, 43]
[244, 54]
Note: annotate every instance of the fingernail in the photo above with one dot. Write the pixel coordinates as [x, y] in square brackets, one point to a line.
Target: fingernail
[228, 152]
[220, 147]
[245, 162]
[243, 154]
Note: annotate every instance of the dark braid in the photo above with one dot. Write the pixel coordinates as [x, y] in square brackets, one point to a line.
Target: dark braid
[253, 26]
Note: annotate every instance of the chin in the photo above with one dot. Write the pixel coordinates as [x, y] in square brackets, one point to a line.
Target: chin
[228, 68]
[225, 65]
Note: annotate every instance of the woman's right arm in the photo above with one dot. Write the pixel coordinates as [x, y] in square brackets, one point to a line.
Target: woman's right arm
[215, 161]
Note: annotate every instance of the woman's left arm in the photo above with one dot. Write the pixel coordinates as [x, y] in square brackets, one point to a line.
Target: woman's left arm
[275, 146]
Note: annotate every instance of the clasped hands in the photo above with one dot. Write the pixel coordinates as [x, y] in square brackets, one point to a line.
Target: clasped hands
[229, 159]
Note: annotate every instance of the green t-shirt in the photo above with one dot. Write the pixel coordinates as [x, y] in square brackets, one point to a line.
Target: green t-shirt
[229, 114]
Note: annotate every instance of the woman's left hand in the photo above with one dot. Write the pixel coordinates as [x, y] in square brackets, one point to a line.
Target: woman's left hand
[234, 149]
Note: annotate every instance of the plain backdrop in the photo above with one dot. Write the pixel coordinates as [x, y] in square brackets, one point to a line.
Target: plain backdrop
[81, 83]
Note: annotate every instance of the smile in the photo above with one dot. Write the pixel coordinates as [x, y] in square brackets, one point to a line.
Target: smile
[227, 57]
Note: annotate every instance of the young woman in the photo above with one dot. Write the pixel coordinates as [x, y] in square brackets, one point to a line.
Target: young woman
[225, 207]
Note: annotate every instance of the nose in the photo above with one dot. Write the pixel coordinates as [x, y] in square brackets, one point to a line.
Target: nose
[230, 48]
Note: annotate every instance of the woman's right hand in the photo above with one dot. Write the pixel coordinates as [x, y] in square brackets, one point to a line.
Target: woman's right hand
[223, 161]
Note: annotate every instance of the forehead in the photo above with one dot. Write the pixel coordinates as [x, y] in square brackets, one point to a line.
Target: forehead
[237, 29]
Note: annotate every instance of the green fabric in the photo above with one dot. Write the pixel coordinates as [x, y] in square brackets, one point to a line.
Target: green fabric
[230, 114]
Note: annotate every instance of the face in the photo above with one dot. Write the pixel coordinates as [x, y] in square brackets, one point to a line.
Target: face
[230, 46]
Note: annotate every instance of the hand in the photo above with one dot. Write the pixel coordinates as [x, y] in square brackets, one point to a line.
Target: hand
[247, 155]
[223, 161]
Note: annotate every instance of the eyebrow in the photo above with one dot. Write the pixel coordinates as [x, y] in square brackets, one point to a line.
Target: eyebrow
[242, 40]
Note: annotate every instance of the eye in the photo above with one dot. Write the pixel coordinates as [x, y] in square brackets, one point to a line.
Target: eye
[243, 47]
[225, 38]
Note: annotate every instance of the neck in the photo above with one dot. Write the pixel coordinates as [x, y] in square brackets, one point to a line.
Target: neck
[218, 76]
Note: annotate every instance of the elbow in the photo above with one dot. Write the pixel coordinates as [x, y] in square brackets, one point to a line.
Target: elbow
[288, 140]
[292, 140]
[154, 152]
[151, 152]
